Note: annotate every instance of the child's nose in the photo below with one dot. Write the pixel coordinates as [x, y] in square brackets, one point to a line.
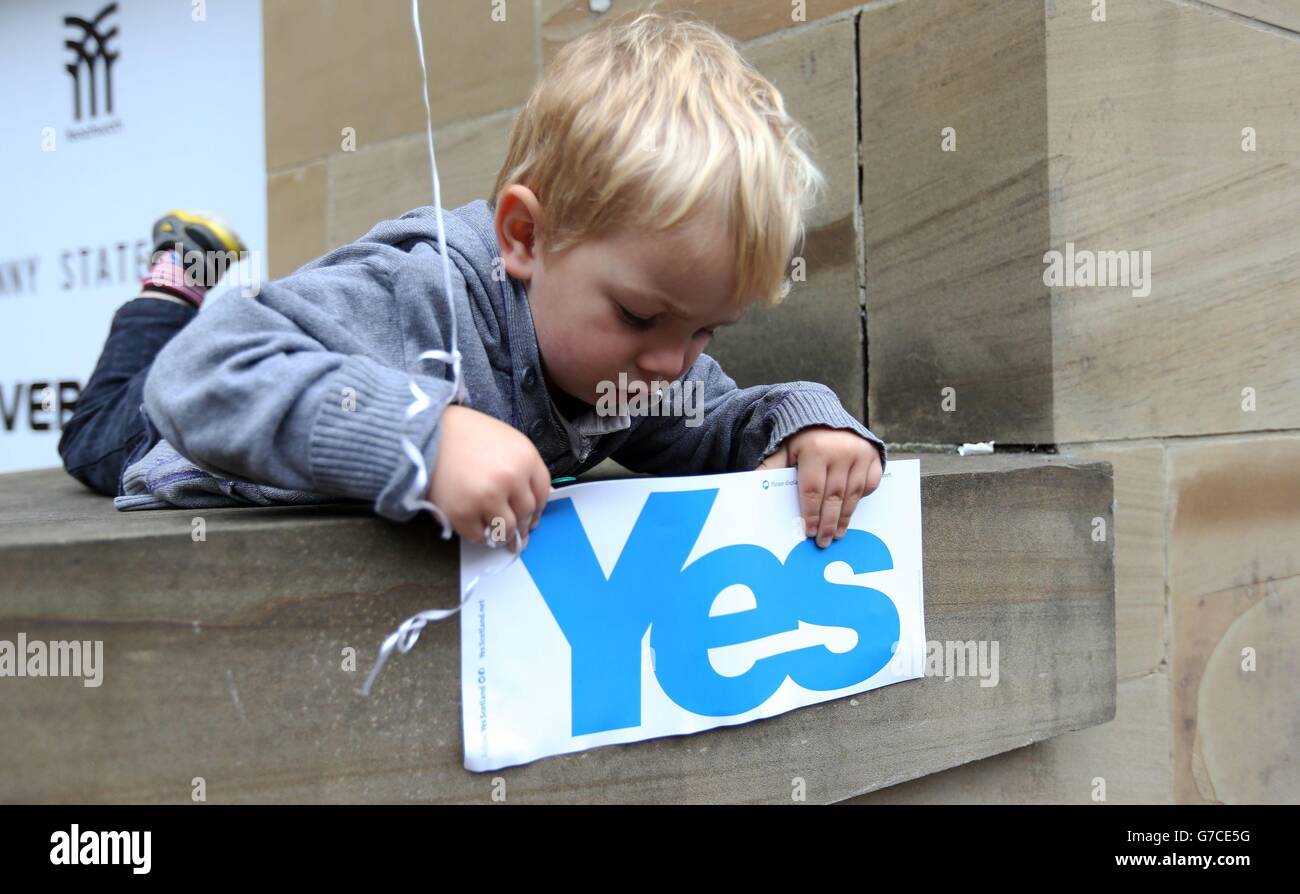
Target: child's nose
[664, 364]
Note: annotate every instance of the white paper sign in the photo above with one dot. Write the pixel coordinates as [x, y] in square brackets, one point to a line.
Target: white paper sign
[649, 607]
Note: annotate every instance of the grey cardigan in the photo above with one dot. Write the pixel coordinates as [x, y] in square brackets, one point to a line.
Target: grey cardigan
[301, 393]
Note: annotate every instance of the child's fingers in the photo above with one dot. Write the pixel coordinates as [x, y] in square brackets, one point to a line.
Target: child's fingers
[812, 486]
[473, 529]
[837, 482]
[523, 504]
[540, 481]
[857, 485]
[502, 526]
[875, 472]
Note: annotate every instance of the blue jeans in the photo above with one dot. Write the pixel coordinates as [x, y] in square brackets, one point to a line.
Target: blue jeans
[108, 430]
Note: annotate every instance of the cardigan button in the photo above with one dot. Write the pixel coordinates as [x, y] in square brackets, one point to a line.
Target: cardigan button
[538, 428]
[530, 378]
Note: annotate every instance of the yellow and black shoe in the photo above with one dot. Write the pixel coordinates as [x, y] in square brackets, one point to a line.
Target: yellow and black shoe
[191, 252]
[195, 231]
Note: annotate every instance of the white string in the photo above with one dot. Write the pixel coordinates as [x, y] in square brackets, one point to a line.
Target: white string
[408, 633]
[452, 357]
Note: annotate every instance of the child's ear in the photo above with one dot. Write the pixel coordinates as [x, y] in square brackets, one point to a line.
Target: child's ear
[518, 224]
[524, 232]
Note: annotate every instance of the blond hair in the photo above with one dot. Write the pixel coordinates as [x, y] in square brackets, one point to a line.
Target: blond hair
[643, 124]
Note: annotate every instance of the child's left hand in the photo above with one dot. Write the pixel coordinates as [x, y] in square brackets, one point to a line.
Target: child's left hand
[836, 468]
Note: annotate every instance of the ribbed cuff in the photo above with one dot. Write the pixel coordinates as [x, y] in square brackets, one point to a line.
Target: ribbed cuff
[812, 406]
[356, 443]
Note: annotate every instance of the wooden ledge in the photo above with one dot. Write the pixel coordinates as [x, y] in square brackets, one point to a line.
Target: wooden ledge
[223, 658]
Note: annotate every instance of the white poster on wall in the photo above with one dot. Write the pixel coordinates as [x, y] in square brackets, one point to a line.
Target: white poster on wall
[650, 607]
[112, 114]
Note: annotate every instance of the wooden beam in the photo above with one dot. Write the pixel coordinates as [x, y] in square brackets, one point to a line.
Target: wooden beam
[223, 658]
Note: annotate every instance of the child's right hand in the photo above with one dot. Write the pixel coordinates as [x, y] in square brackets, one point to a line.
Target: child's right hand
[488, 475]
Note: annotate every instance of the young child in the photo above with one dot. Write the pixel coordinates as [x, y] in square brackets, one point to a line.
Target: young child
[653, 190]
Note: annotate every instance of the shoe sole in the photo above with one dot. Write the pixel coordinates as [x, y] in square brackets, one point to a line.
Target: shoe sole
[206, 228]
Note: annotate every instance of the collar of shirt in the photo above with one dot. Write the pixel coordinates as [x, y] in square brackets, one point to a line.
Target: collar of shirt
[587, 426]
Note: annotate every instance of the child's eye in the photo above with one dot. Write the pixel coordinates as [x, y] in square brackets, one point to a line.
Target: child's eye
[634, 321]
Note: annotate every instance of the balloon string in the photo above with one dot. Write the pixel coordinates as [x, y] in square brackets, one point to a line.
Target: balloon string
[408, 632]
[416, 498]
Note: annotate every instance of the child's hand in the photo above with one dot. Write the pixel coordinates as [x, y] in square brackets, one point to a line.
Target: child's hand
[488, 475]
[837, 467]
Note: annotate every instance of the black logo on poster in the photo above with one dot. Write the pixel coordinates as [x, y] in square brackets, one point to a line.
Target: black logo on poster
[91, 67]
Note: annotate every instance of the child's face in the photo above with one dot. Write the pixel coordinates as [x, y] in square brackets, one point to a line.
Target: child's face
[584, 299]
